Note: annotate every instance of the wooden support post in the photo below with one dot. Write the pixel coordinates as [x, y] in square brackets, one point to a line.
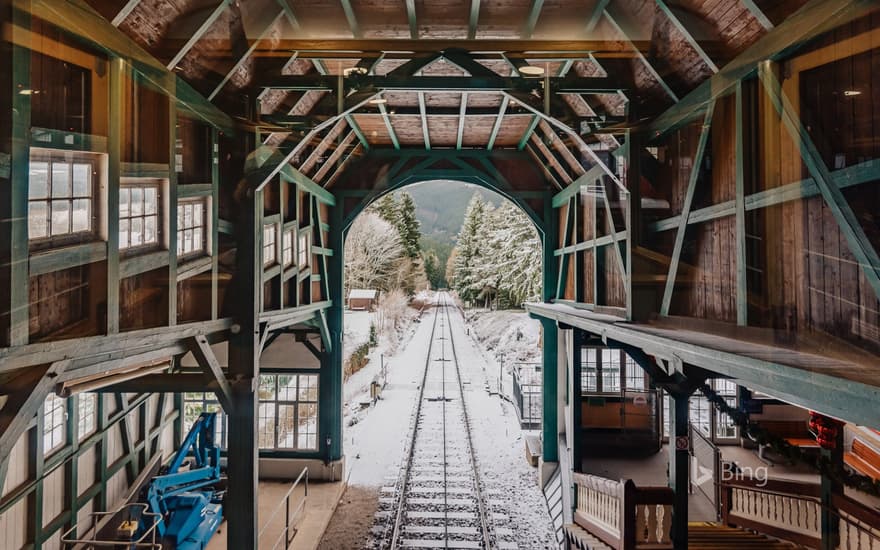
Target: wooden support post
[574, 401]
[120, 74]
[679, 458]
[831, 489]
[330, 386]
[215, 222]
[635, 309]
[171, 237]
[742, 304]
[15, 122]
[550, 338]
[244, 369]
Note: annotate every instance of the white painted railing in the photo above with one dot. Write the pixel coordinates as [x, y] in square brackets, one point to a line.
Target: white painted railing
[622, 515]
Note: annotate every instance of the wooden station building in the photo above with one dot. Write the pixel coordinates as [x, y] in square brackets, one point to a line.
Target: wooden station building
[177, 176]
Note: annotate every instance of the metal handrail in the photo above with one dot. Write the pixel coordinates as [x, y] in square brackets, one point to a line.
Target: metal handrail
[139, 543]
[288, 538]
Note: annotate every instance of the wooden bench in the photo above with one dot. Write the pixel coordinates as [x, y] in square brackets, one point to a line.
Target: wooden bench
[795, 432]
[863, 459]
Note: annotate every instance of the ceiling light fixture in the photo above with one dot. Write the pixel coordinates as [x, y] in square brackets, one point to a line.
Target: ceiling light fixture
[28, 91]
[851, 93]
[531, 70]
[378, 101]
[354, 71]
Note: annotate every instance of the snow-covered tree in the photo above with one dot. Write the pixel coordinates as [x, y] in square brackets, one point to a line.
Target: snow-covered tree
[498, 257]
[372, 253]
[408, 225]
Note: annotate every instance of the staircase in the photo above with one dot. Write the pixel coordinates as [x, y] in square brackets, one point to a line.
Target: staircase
[553, 496]
[707, 536]
[579, 538]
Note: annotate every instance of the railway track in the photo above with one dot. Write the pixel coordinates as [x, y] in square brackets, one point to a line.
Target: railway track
[437, 500]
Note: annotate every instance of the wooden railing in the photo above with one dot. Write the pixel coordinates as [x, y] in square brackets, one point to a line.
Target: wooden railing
[792, 511]
[622, 515]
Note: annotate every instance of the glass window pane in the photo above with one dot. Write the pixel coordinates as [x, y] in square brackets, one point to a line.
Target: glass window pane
[60, 179]
[307, 426]
[308, 387]
[267, 387]
[198, 218]
[180, 216]
[123, 234]
[286, 387]
[82, 176]
[60, 217]
[266, 425]
[151, 200]
[124, 208]
[38, 187]
[151, 232]
[610, 370]
[188, 215]
[197, 239]
[187, 241]
[179, 243]
[81, 215]
[286, 426]
[137, 231]
[38, 226]
[137, 201]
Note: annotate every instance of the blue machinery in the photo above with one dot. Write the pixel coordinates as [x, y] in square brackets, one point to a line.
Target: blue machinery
[186, 501]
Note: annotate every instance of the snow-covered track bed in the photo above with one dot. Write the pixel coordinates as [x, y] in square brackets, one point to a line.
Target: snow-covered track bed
[437, 501]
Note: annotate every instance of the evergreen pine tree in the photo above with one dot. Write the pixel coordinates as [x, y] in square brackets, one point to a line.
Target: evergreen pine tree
[386, 207]
[467, 258]
[408, 225]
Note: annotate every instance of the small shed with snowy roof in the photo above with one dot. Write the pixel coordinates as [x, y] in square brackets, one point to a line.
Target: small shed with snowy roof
[363, 299]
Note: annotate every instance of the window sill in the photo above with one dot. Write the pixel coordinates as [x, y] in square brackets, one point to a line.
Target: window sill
[66, 257]
[193, 265]
[147, 261]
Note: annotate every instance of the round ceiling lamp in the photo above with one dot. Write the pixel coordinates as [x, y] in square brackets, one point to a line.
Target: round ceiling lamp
[531, 70]
[354, 71]
[378, 101]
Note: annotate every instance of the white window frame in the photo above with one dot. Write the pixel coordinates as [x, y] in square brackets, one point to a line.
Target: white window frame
[125, 220]
[195, 403]
[196, 226]
[71, 160]
[270, 244]
[54, 423]
[303, 395]
[304, 249]
[287, 240]
[86, 415]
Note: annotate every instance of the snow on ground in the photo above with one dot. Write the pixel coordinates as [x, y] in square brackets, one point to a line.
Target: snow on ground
[376, 443]
[512, 484]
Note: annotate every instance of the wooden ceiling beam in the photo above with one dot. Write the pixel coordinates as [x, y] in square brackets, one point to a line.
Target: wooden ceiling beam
[245, 56]
[355, 127]
[563, 149]
[679, 24]
[495, 129]
[199, 33]
[411, 18]
[551, 158]
[388, 125]
[354, 47]
[351, 18]
[124, 12]
[319, 150]
[532, 19]
[473, 19]
[461, 117]
[426, 133]
[342, 165]
[576, 85]
[334, 157]
[596, 15]
[625, 28]
[757, 13]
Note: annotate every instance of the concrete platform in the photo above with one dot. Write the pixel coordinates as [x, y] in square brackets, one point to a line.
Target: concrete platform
[311, 523]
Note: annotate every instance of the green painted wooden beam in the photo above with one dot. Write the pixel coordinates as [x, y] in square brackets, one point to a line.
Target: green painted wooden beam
[355, 127]
[124, 12]
[351, 18]
[473, 19]
[859, 243]
[199, 33]
[245, 56]
[388, 125]
[742, 297]
[528, 133]
[461, 120]
[679, 24]
[411, 18]
[813, 19]
[832, 395]
[497, 127]
[426, 133]
[574, 187]
[685, 211]
[596, 15]
[532, 19]
[758, 13]
[619, 21]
